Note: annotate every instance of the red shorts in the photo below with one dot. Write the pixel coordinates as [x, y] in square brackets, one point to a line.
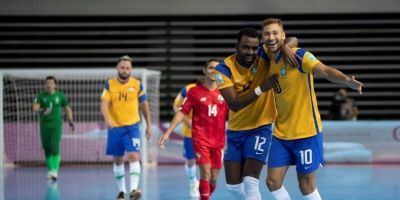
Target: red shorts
[209, 155]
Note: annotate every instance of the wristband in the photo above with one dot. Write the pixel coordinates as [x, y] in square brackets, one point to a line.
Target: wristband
[258, 91]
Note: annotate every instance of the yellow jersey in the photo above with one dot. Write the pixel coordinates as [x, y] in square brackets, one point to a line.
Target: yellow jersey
[231, 74]
[179, 100]
[124, 100]
[298, 115]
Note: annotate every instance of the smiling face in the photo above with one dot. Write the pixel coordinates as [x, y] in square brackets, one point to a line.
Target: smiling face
[209, 70]
[247, 50]
[273, 35]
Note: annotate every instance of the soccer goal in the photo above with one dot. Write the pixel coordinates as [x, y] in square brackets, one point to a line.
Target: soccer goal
[19, 128]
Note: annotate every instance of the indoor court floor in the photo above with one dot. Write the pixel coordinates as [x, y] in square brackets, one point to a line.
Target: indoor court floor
[335, 182]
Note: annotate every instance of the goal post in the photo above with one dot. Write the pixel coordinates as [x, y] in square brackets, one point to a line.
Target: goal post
[19, 132]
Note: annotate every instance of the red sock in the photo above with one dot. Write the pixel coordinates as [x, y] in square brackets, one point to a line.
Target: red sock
[204, 189]
[212, 187]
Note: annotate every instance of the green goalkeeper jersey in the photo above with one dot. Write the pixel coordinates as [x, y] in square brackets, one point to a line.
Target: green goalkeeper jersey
[56, 102]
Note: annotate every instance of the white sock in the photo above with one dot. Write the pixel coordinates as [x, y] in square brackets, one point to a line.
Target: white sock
[119, 174]
[236, 190]
[251, 188]
[134, 174]
[191, 173]
[313, 195]
[281, 194]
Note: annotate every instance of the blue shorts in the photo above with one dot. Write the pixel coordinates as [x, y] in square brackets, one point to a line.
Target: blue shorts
[121, 139]
[252, 144]
[307, 153]
[188, 151]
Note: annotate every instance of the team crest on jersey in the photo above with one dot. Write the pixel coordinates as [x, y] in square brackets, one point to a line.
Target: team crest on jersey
[56, 100]
[283, 71]
[198, 156]
[220, 98]
[219, 79]
[131, 89]
[254, 69]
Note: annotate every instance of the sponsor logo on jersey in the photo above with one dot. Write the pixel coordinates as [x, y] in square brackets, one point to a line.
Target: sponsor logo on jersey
[311, 57]
[203, 99]
[220, 98]
[56, 100]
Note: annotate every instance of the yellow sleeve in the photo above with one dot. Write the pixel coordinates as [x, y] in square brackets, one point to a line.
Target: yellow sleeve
[179, 100]
[308, 61]
[106, 94]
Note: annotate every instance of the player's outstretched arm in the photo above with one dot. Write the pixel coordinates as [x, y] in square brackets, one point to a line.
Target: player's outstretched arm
[105, 112]
[144, 107]
[186, 119]
[70, 117]
[337, 76]
[290, 57]
[176, 120]
[237, 101]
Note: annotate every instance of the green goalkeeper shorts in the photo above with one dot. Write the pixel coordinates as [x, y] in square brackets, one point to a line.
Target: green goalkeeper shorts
[50, 135]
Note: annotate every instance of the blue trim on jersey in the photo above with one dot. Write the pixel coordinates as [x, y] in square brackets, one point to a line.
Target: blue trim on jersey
[262, 53]
[183, 92]
[140, 86]
[300, 52]
[106, 85]
[278, 57]
[312, 103]
[224, 69]
[142, 98]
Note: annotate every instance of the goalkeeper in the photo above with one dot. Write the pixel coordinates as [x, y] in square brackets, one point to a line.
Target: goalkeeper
[48, 104]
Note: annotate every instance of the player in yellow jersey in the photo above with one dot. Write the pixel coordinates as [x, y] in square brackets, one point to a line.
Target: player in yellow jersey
[297, 136]
[188, 152]
[245, 84]
[122, 98]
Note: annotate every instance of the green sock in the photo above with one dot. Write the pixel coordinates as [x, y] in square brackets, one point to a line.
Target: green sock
[48, 163]
[57, 160]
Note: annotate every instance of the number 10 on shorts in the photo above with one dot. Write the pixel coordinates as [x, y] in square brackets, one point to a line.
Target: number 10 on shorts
[306, 156]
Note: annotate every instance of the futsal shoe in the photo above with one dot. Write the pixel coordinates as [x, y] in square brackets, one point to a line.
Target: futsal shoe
[121, 196]
[52, 176]
[194, 189]
[135, 194]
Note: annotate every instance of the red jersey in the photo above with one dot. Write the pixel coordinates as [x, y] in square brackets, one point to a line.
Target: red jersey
[209, 115]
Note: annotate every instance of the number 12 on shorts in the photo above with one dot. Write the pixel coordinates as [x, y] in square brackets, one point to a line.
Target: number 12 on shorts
[260, 141]
[306, 156]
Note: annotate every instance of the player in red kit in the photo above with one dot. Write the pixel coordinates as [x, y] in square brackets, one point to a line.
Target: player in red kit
[208, 128]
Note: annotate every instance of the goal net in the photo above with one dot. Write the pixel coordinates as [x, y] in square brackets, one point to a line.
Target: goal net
[19, 128]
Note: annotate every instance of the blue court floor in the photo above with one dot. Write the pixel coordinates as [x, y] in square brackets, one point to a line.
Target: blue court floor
[335, 182]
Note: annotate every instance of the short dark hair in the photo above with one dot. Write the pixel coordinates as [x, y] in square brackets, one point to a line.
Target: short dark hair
[50, 78]
[211, 60]
[250, 32]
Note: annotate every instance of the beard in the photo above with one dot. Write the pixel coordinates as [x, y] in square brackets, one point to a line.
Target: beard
[123, 76]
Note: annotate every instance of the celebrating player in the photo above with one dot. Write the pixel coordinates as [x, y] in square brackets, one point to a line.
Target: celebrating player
[48, 104]
[208, 128]
[245, 84]
[121, 99]
[297, 136]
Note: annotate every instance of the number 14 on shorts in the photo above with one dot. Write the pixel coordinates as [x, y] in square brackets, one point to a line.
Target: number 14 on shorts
[136, 142]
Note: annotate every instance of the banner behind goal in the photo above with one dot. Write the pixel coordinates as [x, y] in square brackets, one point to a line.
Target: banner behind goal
[19, 127]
